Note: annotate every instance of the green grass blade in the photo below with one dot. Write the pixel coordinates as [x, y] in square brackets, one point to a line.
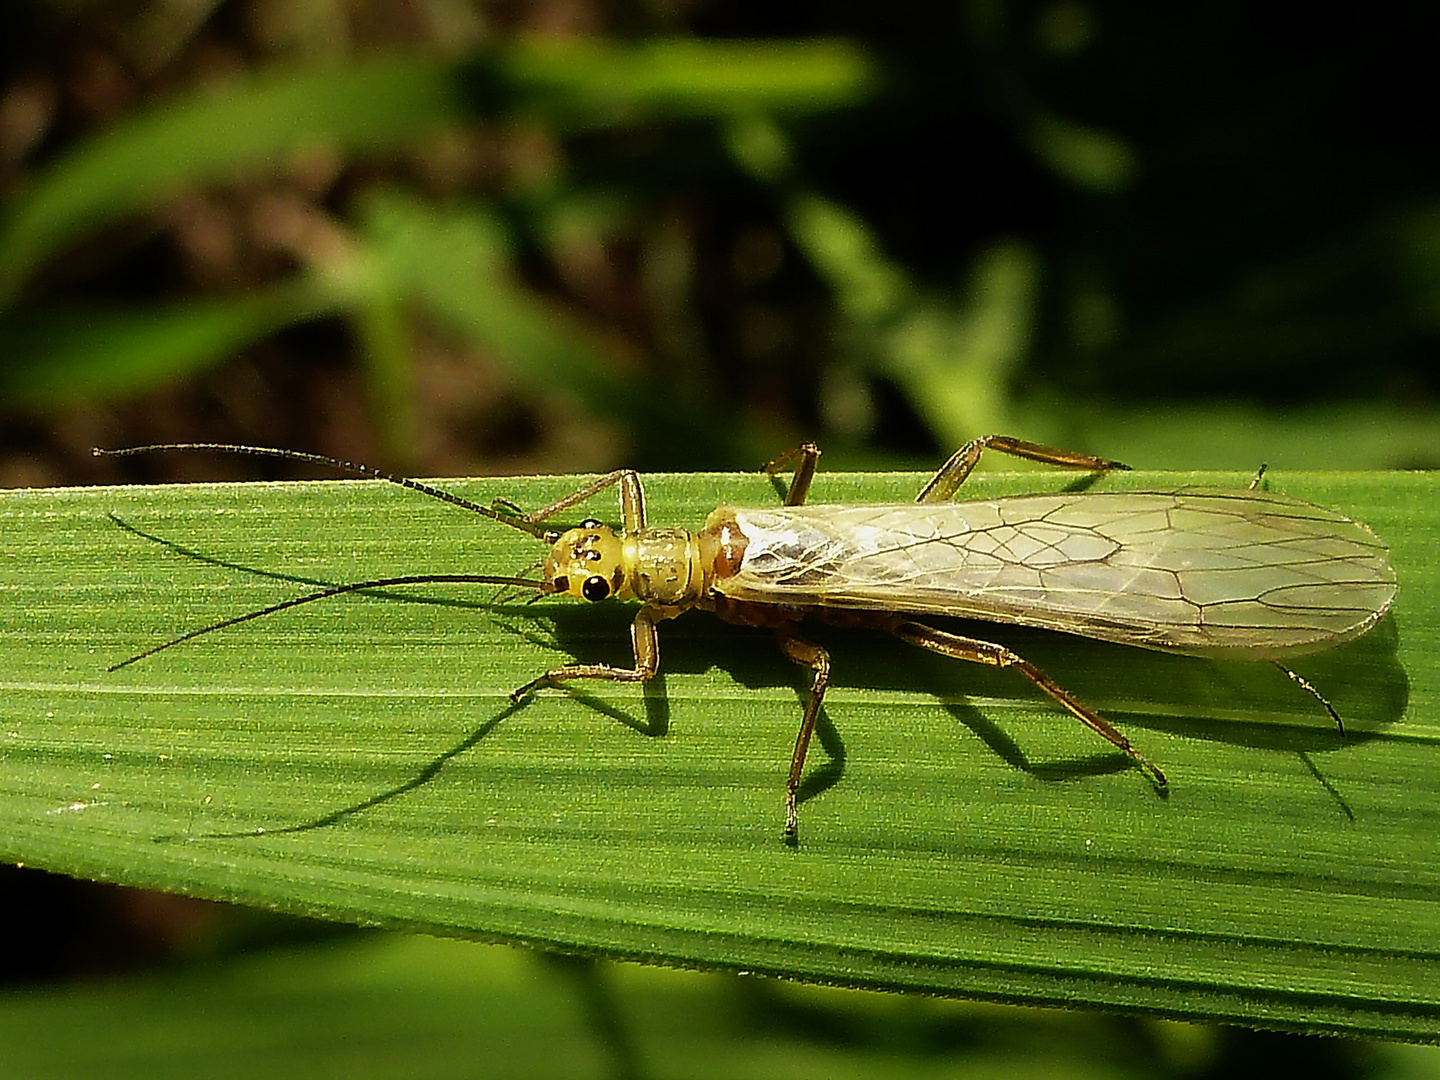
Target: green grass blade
[962, 836]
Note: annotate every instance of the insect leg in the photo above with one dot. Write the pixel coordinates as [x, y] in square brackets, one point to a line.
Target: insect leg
[632, 500]
[985, 652]
[1305, 684]
[806, 654]
[644, 641]
[953, 473]
[805, 457]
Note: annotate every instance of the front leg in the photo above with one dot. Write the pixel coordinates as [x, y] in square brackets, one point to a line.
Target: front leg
[632, 501]
[643, 639]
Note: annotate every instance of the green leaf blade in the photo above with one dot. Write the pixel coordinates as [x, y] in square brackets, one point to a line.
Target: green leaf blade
[960, 835]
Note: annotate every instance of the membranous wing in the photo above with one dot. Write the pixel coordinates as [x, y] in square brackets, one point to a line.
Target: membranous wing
[1207, 572]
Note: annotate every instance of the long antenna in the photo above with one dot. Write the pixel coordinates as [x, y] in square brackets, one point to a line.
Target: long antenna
[511, 520]
[336, 590]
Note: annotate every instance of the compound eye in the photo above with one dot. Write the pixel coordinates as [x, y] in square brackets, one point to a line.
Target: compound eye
[595, 588]
[590, 523]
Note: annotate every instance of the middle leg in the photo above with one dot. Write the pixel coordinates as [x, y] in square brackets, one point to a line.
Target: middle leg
[806, 654]
[804, 458]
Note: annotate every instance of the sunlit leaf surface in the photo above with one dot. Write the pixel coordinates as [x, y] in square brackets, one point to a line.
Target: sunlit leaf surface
[359, 759]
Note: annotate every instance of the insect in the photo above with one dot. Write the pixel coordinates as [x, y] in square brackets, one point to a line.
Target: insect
[1231, 574]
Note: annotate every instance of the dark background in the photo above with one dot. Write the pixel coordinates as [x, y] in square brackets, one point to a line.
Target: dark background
[1194, 237]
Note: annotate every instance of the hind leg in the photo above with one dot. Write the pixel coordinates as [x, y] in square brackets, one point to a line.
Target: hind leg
[985, 652]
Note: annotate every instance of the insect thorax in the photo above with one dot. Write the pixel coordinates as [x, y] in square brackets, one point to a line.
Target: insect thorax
[667, 567]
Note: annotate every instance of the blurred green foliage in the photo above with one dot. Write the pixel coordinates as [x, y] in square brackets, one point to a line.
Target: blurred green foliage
[717, 230]
[455, 262]
[419, 1008]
